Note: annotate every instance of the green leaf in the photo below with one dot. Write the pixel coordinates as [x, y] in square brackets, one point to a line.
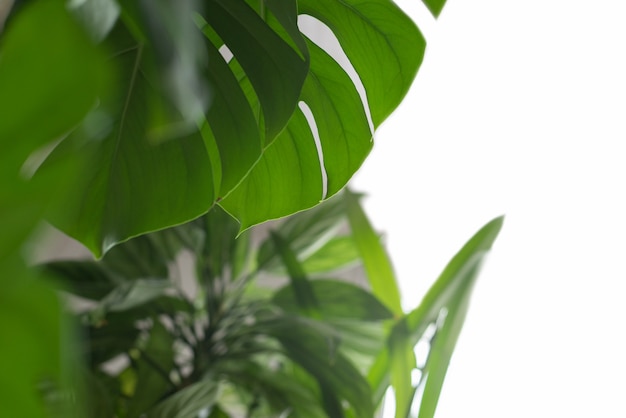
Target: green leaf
[301, 288]
[290, 173]
[152, 370]
[316, 352]
[375, 260]
[188, 402]
[382, 43]
[281, 389]
[435, 6]
[304, 232]
[275, 70]
[86, 279]
[50, 72]
[134, 293]
[131, 185]
[30, 316]
[457, 277]
[337, 253]
[336, 300]
[400, 369]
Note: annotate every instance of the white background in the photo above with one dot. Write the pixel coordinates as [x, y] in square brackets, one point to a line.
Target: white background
[518, 109]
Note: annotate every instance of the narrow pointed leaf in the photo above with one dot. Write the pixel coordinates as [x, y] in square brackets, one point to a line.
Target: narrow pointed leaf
[401, 366]
[375, 260]
[460, 271]
[442, 348]
[302, 290]
[435, 6]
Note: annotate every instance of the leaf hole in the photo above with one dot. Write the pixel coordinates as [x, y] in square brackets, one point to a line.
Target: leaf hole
[321, 35]
[308, 114]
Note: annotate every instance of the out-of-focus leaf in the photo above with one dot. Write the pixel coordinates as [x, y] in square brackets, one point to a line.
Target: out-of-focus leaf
[86, 279]
[115, 335]
[30, 317]
[188, 402]
[337, 253]
[97, 16]
[336, 300]
[152, 369]
[302, 291]
[282, 390]
[401, 366]
[457, 276]
[375, 260]
[304, 232]
[317, 353]
[435, 6]
[134, 293]
[221, 242]
[442, 348]
[130, 185]
[77, 73]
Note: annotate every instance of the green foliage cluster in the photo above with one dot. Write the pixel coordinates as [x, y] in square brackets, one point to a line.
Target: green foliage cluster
[150, 114]
[314, 346]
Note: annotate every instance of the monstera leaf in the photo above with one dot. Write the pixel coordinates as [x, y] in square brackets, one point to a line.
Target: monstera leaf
[231, 101]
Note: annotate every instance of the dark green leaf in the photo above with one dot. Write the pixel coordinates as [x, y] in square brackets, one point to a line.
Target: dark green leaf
[301, 288]
[317, 353]
[152, 369]
[375, 260]
[131, 185]
[275, 70]
[86, 279]
[336, 300]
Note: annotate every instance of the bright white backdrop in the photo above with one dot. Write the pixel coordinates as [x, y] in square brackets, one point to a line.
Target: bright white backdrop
[518, 109]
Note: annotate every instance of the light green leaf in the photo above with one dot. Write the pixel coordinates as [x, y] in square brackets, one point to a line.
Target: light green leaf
[375, 260]
[382, 43]
[401, 366]
[188, 402]
[337, 253]
[457, 277]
